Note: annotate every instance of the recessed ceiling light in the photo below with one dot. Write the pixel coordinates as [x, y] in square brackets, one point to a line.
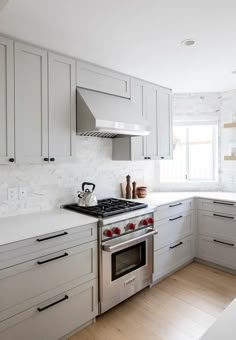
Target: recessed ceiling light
[234, 72]
[188, 42]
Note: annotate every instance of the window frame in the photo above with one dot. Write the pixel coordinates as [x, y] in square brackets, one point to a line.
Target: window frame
[187, 178]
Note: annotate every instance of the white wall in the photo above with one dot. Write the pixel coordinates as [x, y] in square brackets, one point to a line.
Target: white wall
[51, 185]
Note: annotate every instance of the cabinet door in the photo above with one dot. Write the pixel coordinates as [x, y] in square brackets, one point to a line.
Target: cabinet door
[138, 144]
[62, 115]
[151, 115]
[100, 79]
[6, 102]
[31, 114]
[164, 124]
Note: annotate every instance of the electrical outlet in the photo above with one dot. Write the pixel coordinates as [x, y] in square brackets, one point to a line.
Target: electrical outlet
[22, 193]
[12, 194]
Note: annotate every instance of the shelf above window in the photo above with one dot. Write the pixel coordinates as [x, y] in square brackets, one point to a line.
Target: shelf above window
[229, 125]
[230, 158]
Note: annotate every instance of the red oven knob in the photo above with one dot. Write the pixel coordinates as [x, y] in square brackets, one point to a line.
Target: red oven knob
[131, 226]
[144, 222]
[151, 220]
[108, 233]
[116, 231]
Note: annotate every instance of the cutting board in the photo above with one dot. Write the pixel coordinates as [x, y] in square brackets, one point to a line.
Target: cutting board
[139, 183]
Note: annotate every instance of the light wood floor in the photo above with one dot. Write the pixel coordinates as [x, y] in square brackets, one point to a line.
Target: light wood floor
[181, 307]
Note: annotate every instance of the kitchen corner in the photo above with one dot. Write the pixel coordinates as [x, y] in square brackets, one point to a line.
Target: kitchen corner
[93, 93]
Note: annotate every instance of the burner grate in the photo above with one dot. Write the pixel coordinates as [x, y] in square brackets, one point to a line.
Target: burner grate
[107, 207]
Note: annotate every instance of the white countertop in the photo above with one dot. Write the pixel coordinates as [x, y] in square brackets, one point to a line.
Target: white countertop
[156, 199]
[224, 327]
[21, 227]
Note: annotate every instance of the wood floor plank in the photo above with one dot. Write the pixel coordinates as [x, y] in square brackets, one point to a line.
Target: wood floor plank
[181, 307]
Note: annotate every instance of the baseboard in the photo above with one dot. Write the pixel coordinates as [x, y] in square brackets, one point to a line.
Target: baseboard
[214, 265]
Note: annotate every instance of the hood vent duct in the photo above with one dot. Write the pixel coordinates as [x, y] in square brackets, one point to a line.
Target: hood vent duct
[107, 116]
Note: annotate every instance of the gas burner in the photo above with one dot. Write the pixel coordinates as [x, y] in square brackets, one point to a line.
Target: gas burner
[107, 207]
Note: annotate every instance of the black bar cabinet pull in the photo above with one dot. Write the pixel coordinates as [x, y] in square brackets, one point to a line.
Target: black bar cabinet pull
[53, 259]
[228, 244]
[230, 217]
[12, 160]
[175, 205]
[50, 237]
[46, 159]
[179, 244]
[176, 218]
[52, 159]
[225, 203]
[53, 304]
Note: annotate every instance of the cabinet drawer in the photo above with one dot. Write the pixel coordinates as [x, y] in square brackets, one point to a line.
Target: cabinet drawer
[217, 206]
[22, 251]
[33, 278]
[173, 209]
[219, 251]
[217, 224]
[103, 80]
[173, 228]
[54, 318]
[170, 258]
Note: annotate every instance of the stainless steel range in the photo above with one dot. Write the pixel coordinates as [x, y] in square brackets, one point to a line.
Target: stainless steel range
[126, 232]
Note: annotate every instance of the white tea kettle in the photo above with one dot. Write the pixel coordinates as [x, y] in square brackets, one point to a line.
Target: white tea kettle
[87, 197]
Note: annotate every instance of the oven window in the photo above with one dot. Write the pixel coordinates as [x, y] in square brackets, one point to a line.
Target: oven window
[128, 259]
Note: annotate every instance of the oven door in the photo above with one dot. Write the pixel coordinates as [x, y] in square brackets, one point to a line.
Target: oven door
[126, 267]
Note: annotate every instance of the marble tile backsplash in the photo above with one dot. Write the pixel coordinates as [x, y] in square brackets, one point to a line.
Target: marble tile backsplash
[49, 186]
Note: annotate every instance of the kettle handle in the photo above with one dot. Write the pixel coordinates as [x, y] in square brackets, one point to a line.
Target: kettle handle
[88, 183]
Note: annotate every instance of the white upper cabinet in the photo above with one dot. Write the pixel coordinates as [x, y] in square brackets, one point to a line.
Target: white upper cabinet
[6, 102]
[165, 124]
[31, 111]
[100, 79]
[138, 144]
[151, 110]
[62, 114]
[154, 104]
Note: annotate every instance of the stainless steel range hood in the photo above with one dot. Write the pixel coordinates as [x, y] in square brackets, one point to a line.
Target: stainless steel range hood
[105, 115]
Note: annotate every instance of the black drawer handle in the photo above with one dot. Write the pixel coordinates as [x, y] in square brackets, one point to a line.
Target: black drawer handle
[179, 244]
[217, 202]
[52, 159]
[53, 304]
[228, 244]
[50, 237]
[12, 160]
[53, 259]
[230, 217]
[176, 218]
[175, 205]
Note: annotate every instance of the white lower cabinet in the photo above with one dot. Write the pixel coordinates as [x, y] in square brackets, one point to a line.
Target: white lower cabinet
[34, 278]
[217, 232]
[219, 225]
[49, 293]
[54, 318]
[173, 228]
[219, 251]
[169, 258]
[174, 245]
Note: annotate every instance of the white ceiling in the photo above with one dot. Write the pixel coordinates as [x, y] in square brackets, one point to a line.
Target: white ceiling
[138, 37]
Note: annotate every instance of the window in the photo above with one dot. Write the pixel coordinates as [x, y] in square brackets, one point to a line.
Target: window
[194, 154]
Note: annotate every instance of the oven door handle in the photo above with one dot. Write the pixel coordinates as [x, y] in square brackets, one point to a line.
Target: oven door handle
[133, 241]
